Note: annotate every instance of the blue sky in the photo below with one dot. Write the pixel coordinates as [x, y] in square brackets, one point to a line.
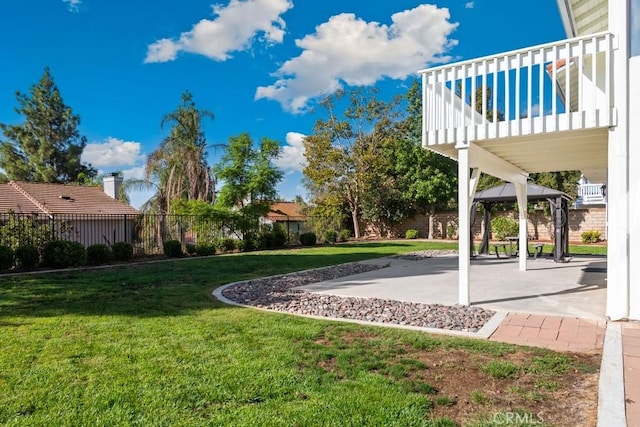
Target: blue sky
[259, 65]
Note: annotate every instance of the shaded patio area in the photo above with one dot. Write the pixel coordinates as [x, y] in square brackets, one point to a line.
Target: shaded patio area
[576, 288]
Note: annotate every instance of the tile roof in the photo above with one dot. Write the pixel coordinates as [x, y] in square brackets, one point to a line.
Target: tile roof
[32, 197]
[283, 211]
[12, 199]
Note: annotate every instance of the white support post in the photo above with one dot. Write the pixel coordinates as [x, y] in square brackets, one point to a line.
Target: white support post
[464, 224]
[521, 196]
[618, 245]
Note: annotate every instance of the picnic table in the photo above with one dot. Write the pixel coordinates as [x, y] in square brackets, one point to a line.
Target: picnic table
[514, 243]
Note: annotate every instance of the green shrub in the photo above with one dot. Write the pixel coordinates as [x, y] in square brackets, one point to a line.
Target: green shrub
[330, 236]
[204, 249]
[502, 227]
[308, 239]
[279, 236]
[122, 251]
[245, 245]
[590, 236]
[191, 249]
[28, 257]
[411, 233]
[226, 244]
[173, 248]
[63, 254]
[262, 240]
[53, 254]
[452, 231]
[344, 235]
[250, 242]
[99, 254]
[7, 257]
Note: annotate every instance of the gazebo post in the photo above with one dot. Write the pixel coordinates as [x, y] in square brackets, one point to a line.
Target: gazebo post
[521, 196]
[484, 247]
[558, 247]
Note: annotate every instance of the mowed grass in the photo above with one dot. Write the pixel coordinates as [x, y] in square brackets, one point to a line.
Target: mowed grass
[148, 345]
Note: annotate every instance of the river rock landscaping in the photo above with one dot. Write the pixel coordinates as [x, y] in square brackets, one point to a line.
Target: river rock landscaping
[278, 293]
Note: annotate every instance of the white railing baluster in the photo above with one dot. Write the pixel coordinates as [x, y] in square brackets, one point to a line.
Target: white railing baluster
[541, 74]
[507, 95]
[554, 80]
[463, 95]
[594, 63]
[483, 93]
[518, 97]
[443, 107]
[494, 96]
[529, 95]
[474, 73]
[580, 93]
[607, 79]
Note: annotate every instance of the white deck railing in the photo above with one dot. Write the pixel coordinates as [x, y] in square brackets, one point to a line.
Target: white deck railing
[558, 86]
[591, 194]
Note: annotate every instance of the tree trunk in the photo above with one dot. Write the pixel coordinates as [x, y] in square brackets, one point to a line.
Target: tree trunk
[432, 213]
[356, 225]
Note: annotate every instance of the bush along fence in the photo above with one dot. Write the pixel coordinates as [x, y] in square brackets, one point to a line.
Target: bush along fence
[29, 240]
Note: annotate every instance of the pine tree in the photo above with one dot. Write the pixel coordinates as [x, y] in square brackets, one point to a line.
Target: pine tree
[47, 146]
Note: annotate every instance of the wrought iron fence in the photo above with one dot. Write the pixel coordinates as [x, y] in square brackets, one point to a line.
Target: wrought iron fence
[146, 232]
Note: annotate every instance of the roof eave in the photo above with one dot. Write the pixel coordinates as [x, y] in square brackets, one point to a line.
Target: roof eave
[566, 14]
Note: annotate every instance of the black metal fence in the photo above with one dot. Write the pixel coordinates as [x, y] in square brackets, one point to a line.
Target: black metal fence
[145, 232]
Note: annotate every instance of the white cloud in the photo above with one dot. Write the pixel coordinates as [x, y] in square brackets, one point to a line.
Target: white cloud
[234, 29]
[134, 173]
[73, 5]
[469, 5]
[349, 50]
[113, 152]
[292, 156]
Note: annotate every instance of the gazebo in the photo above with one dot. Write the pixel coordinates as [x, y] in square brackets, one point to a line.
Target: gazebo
[558, 201]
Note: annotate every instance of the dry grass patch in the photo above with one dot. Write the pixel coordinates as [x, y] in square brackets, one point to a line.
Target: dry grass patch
[468, 385]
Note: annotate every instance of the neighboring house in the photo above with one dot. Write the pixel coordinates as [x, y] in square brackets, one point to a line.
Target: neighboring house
[85, 214]
[571, 104]
[288, 215]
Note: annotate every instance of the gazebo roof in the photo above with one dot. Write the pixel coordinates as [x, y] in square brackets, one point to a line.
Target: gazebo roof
[507, 193]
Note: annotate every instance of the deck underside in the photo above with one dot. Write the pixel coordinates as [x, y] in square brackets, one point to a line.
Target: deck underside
[546, 152]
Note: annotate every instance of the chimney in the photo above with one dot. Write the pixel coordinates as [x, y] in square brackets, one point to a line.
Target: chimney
[112, 185]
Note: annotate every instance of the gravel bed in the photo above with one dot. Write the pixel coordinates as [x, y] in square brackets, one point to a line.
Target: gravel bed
[420, 255]
[276, 293]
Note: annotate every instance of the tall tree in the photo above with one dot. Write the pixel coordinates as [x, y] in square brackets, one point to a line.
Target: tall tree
[47, 146]
[430, 180]
[249, 175]
[344, 153]
[178, 168]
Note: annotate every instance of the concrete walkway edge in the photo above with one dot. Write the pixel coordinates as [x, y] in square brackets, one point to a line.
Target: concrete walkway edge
[490, 327]
[611, 403]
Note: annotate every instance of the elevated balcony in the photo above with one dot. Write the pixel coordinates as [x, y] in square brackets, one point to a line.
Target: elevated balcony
[543, 108]
[591, 194]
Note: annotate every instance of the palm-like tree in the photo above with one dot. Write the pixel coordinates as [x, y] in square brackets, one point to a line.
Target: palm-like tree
[178, 168]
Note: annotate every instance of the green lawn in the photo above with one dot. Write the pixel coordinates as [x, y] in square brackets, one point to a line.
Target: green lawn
[587, 249]
[148, 345]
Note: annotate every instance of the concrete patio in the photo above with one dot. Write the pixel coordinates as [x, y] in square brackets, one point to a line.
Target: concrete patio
[574, 289]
